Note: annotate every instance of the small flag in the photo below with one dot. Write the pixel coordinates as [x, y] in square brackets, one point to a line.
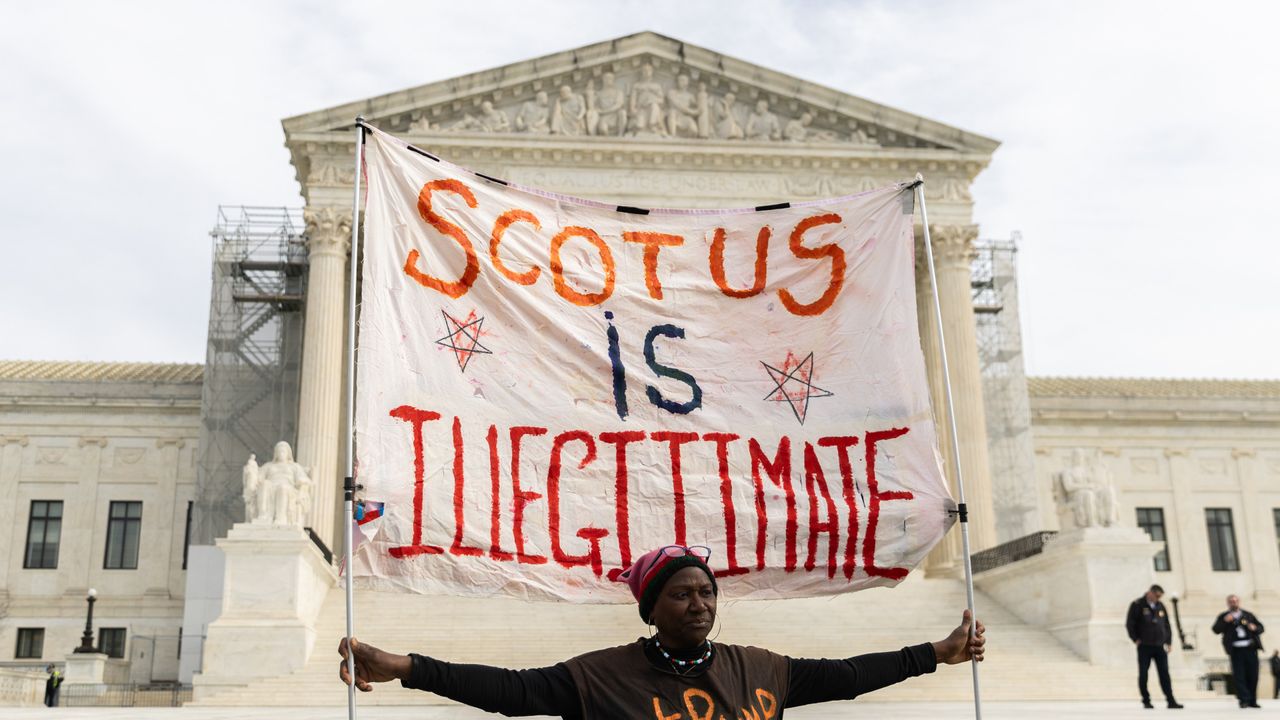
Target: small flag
[368, 512]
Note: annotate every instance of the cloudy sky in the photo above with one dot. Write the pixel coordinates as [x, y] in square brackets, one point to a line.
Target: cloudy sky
[1140, 158]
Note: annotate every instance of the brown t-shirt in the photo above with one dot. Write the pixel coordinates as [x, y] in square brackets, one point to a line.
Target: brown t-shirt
[620, 684]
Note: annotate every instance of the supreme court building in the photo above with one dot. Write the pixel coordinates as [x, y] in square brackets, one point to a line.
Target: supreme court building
[1082, 491]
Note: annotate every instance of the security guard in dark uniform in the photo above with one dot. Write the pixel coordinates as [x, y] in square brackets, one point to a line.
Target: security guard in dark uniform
[1148, 626]
[1240, 631]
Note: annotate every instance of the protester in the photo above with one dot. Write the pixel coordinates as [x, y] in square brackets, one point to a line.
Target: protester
[1148, 626]
[675, 671]
[1241, 631]
[52, 685]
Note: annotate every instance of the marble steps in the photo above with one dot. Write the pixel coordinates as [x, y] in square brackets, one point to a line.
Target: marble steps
[1029, 665]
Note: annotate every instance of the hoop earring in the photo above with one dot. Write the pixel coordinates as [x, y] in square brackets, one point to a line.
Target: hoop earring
[720, 626]
[650, 625]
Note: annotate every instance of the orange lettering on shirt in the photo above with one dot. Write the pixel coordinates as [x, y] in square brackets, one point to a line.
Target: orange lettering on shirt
[457, 288]
[504, 221]
[658, 714]
[702, 695]
[832, 251]
[768, 703]
[653, 243]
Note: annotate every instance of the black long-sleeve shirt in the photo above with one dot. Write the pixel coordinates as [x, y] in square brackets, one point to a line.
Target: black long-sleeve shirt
[552, 691]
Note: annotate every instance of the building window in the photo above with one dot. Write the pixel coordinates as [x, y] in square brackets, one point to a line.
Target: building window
[1152, 520]
[1222, 539]
[44, 528]
[111, 641]
[186, 536]
[30, 644]
[124, 525]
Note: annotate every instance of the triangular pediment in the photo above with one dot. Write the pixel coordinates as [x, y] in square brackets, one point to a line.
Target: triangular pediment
[644, 87]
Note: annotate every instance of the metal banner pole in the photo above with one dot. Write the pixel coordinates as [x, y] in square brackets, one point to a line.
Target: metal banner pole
[349, 485]
[955, 439]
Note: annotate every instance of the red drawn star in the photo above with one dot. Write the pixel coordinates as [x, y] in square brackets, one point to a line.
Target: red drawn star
[793, 384]
[463, 338]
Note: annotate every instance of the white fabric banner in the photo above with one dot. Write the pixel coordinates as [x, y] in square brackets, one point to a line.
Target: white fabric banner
[549, 387]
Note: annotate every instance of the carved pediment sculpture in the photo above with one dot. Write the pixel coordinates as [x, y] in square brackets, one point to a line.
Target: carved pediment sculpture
[643, 104]
[643, 86]
[580, 109]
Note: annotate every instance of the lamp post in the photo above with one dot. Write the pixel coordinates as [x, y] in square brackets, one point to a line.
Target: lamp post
[1177, 618]
[86, 641]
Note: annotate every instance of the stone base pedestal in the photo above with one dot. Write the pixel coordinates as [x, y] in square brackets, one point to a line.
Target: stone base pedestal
[90, 673]
[1079, 589]
[86, 669]
[275, 582]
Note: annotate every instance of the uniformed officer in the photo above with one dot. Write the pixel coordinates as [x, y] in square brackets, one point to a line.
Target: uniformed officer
[1148, 626]
[1240, 631]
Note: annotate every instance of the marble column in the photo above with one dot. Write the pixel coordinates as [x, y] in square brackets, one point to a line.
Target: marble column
[1189, 525]
[953, 255]
[942, 559]
[320, 407]
[80, 524]
[11, 451]
[162, 551]
[1257, 526]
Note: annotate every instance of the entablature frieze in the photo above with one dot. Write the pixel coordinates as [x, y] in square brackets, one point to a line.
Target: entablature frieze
[329, 158]
[1148, 417]
[730, 177]
[185, 405]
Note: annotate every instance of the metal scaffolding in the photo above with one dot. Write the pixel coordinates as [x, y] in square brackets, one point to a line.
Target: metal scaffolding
[1004, 388]
[254, 356]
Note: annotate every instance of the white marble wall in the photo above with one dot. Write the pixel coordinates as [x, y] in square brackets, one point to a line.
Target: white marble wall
[1181, 454]
[88, 443]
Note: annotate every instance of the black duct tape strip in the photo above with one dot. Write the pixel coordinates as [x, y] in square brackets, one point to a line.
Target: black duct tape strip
[775, 206]
[632, 210]
[492, 179]
[423, 153]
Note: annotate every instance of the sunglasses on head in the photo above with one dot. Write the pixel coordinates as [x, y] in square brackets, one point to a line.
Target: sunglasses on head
[702, 552]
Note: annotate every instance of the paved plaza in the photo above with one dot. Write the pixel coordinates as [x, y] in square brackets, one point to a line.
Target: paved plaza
[1217, 709]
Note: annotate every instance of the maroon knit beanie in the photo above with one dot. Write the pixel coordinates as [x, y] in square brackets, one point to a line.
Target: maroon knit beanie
[650, 572]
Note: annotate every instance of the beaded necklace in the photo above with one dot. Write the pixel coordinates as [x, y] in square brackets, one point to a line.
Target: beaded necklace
[683, 666]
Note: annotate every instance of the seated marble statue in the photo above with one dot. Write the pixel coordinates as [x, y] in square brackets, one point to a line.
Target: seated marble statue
[685, 109]
[489, 120]
[645, 111]
[607, 111]
[278, 492]
[535, 115]
[763, 125]
[1086, 490]
[570, 114]
[726, 123]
